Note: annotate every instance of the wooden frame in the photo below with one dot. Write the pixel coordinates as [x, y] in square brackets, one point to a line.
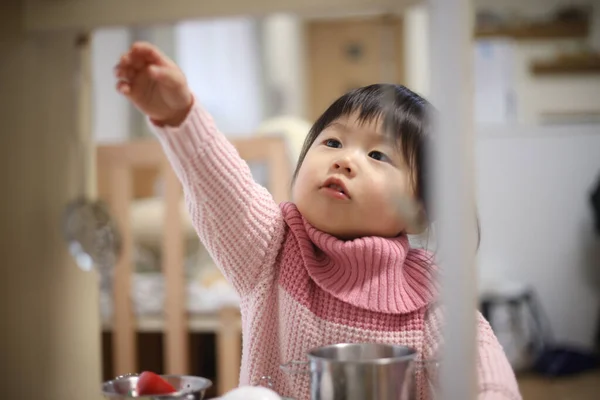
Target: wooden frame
[586, 64]
[116, 164]
[43, 15]
[537, 31]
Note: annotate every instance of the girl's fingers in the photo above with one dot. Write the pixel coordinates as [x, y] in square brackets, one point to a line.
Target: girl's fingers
[145, 53]
[125, 75]
[125, 60]
[144, 58]
[165, 75]
[124, 64]
[137, 62]
[123, 87]
[139, 56]
[129, 74]
[157, 73]
[121, 72]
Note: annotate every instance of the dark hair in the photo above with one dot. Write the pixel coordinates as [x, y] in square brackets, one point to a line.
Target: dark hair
[404, 114]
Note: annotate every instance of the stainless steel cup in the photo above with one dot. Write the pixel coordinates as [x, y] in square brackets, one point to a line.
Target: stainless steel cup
[188, 388]
[358, 371]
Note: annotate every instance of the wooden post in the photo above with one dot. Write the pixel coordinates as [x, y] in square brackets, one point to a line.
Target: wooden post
[124, 329]
[451, 27]
[176, 330]
[229, 346]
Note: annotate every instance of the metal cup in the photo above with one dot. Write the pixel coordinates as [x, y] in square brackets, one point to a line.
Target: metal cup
[188, 388]
[359, 371]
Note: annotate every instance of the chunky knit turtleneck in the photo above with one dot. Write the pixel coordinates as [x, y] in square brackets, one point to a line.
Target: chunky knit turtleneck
[373, 273]
[301, 288]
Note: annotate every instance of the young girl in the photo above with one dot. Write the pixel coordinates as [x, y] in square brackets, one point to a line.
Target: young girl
[333, 266]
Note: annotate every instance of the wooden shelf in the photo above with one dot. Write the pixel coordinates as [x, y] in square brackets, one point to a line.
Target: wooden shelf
[568, 65]
[579, 117]
[545, 30]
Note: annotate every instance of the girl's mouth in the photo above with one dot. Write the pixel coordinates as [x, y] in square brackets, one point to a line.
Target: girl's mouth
[336, 188]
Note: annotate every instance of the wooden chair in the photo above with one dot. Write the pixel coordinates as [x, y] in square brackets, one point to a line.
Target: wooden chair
[125, 172]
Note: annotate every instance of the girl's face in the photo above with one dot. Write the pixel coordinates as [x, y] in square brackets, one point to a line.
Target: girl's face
[354, 182]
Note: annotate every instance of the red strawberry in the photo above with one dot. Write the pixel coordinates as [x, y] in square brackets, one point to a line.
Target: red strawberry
[150, 384]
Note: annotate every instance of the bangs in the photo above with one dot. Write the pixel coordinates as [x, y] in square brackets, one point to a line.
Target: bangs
[399, 110]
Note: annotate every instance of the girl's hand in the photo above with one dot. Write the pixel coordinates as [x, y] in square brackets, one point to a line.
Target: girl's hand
[154, 84]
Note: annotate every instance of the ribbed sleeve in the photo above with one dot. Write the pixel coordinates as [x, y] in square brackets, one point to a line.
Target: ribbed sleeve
[236, 219]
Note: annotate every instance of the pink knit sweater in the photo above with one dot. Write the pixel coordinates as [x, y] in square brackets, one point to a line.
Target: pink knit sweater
[301, 288]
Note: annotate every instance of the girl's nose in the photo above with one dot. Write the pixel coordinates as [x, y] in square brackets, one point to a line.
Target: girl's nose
[345, 166]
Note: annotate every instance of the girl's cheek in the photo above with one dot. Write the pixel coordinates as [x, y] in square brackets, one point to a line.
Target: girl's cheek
[393, 198]
[301, 185]
[380, 195]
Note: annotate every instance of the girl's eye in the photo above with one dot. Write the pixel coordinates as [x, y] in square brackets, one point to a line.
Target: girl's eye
[333, 143]
[379, 156]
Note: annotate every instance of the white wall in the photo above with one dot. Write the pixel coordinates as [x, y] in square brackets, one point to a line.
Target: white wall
[112, 115]
[537, 225]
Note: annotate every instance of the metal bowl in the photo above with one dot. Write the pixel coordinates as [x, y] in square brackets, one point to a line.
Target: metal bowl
[188, 388]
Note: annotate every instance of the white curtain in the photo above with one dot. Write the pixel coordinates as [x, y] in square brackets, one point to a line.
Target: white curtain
[221, 59]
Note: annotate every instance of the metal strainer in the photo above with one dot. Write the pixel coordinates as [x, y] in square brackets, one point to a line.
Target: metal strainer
[91, 234]
[188, 388]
